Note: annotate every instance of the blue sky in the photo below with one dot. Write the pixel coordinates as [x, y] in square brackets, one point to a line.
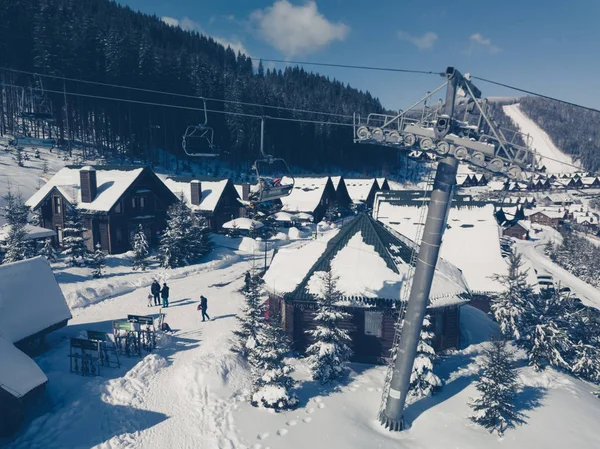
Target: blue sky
[549, 46]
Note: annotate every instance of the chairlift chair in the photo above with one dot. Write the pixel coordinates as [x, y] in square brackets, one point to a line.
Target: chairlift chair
[198, 140]
[274, 179]
[40, 109]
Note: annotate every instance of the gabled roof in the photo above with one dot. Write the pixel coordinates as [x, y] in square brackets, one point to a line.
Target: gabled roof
[306, 194]
[359, 188]
[18, 373]
[336, 181]
[371, 262]
[212, 190]
[550, 213]
[381, 183]
[32, 232]
[112, 183]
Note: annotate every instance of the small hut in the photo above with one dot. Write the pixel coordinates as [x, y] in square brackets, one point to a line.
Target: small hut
[370, 262]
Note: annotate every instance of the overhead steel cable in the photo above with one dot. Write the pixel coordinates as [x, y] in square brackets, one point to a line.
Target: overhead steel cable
[518, 89]
[190, 108]
[359, 67]
[174, 94]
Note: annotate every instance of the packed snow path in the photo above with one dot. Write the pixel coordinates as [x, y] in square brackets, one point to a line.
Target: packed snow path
[180, 396]
[542, 143]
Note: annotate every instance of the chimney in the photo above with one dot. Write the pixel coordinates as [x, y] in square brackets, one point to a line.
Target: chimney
[245, 191]
[196, 195]
[88, 183]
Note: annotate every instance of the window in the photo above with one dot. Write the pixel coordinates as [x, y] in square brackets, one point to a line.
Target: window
[119, 208]
[59, 234]
[373, 323]
[119, 235]
[142, 203]
[57, 209]
[134, 203]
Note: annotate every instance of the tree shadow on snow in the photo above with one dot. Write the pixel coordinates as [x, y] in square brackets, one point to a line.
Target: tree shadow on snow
[221, 317]
[181, 302]
[529, 398]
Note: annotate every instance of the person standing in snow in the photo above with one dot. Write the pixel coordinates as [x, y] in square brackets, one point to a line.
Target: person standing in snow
[164, 293]
[247, 280]
[203, 307]
[155, 289]
[150, 300]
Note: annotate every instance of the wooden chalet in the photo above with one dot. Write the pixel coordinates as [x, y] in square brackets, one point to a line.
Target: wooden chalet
[383, 184]
[548, 217]
[215, 199]
[342, 197]
[520, 230]
[370, 262]
[311, 195]
[114, 201]
[32, 306]
[362, 191]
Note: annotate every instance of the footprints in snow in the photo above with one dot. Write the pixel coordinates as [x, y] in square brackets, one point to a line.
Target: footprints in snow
[307, 419]
[282, 432]
[292, 423]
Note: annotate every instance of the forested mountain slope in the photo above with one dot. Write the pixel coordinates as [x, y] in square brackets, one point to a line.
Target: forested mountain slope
[101, 41]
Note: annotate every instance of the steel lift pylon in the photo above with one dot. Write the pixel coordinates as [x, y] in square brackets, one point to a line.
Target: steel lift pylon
[477, 140]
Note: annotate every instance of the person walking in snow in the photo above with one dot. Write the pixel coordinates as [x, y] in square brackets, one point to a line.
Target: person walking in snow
[164, 293]
[155, 289]
[203, 307]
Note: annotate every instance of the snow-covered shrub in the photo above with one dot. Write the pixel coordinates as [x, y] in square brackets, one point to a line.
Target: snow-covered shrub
[97, 261]
[140, 250]
[251, 318]
[423, 381]
[73, 239]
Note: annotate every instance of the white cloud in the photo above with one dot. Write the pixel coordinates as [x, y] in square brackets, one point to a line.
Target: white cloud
[295, 30]
[424, 42]
[185, 23]
[477, 41]
[235, 44]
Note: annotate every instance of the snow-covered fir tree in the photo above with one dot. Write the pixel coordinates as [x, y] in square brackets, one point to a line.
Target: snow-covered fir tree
[498, 385]
[252, 317]
[587, 362]
[97, 261]
[140, 250]
[331, 214]
[272, 382]
[16, 246]
[423, 381]
[185, 239]
[47, 250]
[330, 352]
[548, 330]
[509, 306]
[73, 240]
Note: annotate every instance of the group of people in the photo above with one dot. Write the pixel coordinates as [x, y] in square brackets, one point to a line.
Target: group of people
[157, 293]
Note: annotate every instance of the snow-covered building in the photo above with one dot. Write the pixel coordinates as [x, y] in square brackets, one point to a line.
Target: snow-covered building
[114, 201]
[553, 217]
[370, 262]
[31, 232]
[519, 230]
[311, 195]
[383, 184]
[342, 197]
[362, 191]
[31, 306]
[215, 199]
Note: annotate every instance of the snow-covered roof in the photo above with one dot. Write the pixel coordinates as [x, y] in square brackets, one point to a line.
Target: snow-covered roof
[588, 180]
[211, 189]
[18, 373]
[370, 261]
[380, 182]
[471, 242]
[336, 181]
[359, 189]
[589, 219]
[283, 216]
[33, 232]
[550, 213]
[30, 299]
[112, 184]
[306, 194]
[559, 198]
[243, 224]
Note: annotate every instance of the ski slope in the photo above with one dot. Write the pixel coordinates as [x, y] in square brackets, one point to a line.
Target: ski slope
[551, 156]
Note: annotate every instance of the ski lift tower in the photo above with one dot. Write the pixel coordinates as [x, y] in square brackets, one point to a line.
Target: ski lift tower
[475, 139]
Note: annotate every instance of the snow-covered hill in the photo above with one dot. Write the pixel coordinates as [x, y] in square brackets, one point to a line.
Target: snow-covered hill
[553, 157]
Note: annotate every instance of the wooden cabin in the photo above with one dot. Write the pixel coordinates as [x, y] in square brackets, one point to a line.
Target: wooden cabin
[32, 306]
[312, 195]
[370, 262]
[113, 201]
[520, 230]
[215, 199]
[362, 191]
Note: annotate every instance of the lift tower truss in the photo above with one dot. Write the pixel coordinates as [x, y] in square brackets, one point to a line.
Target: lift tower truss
[477, 140]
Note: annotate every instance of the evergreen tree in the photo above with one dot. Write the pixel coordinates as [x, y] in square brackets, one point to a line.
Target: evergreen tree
[587, 362]
[252, 318]
[97, 262]
[331, 214]
[498, 385]
[16, 246]
[509, 306]
[423, 382]
[140, 250]
[330, 352]
[270, 372]
[73, 239]
[184, 240]
[47, 250]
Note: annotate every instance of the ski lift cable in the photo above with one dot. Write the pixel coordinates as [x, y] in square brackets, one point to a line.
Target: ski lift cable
[359, 67]
[189, 108]
[174, 94]
[534, 93]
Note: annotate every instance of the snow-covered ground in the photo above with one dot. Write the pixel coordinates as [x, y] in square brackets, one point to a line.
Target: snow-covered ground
[542, 142]
[189, 393]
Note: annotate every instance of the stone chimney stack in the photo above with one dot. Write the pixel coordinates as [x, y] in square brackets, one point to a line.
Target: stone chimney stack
[88, 184]
[196, 188]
